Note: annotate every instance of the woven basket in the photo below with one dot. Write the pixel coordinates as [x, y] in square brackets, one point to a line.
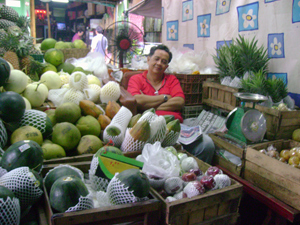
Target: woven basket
[75, 52]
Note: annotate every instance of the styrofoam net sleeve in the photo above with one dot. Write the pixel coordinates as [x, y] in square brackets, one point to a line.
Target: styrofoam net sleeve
[122, 119]
[148, 116]
[73, 95]
[173, 185]
[56, 95]
[92, 93]
[222, 180]
[220, 172]
[10, 211]
[78, 80]
[117, 140]
[3, 135]
[170, 139]
[131, 145]
[34, 118]
[158, 128]
[84, 203]
[66, 165]
[102, 199]
[97, 183]
[24, 185]
[110, 92]
[170, 199]
[190, 190]
[178, 195]
[118, 194]
[2, 171]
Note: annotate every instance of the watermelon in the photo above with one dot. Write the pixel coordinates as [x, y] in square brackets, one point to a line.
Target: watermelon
[12, 106]
[23, 153]
[5, 193]
[59, 172]
[136, 181]
[4, 71]
[66, 191]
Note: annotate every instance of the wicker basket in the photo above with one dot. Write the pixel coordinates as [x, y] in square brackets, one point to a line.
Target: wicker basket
[75, 52]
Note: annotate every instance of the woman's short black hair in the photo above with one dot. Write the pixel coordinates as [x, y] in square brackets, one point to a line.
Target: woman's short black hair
[80, 29]
[161, 47]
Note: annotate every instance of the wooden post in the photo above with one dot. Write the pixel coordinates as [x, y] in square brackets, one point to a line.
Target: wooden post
[32, 21]
[48, 18]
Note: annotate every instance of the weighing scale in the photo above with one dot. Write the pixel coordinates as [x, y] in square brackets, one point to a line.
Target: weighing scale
[247, 125]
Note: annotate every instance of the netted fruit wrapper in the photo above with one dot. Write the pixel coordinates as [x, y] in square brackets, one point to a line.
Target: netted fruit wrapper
[117, 140]
[2, 171]
[22, 182]
[179, 195]
[66, 165]
[78, 80]
[190, 190]
[34, 118]
[56, 95]
[222, 180]
[118, 194]
[173, 185]
[101, 199]
[122, 119]
[156, 183]
[170, 138]
[10, 211]
[92, 93]
[158, 128]
[3, 135]
[131, 145]
[84, 203]
[73, 95]
[110, 92]
[97, 183]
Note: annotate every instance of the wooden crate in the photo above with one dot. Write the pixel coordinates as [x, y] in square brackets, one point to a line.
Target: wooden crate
[280, 124]
[146, 212]
[277, 178]
[219, 96]
[214, 207]
[221, 142]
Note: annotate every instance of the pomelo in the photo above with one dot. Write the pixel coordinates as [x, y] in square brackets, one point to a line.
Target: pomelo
[296, 135]
[66, 67]
[89, 144]
[53, 151]
[66, 135]
[51, 114]
[67, 112]
[54, 56]
[78, 68]
[88, 125]
[79, 44]
[48, 67]
[48, 43]
[27, 133]
[61, 45]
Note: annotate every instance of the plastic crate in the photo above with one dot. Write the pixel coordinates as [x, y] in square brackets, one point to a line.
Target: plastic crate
[39, 58]
[191, 85]
[191, 111]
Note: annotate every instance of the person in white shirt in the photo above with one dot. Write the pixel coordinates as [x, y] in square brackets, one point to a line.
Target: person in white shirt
[99, 42]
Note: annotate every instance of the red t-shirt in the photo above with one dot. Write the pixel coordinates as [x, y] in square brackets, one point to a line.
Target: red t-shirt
[170, 86]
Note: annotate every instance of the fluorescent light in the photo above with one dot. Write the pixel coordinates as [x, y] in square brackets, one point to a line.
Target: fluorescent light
[61, 1]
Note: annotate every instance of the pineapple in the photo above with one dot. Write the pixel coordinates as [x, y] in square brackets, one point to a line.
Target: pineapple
[24, 23]
[9, 13]
[256, 84]
[240, 57]
[277, 89]
[4, 24]
[32, 68]
[2, 34]
[2, 51]
[13, 58]
[15, 30]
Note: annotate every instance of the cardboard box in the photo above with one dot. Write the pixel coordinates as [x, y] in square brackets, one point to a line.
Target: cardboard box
[91, 7]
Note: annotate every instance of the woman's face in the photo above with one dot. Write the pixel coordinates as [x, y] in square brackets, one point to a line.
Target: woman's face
[159, 61]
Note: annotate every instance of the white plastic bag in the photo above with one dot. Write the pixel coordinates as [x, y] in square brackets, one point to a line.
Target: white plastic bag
[159, 162]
